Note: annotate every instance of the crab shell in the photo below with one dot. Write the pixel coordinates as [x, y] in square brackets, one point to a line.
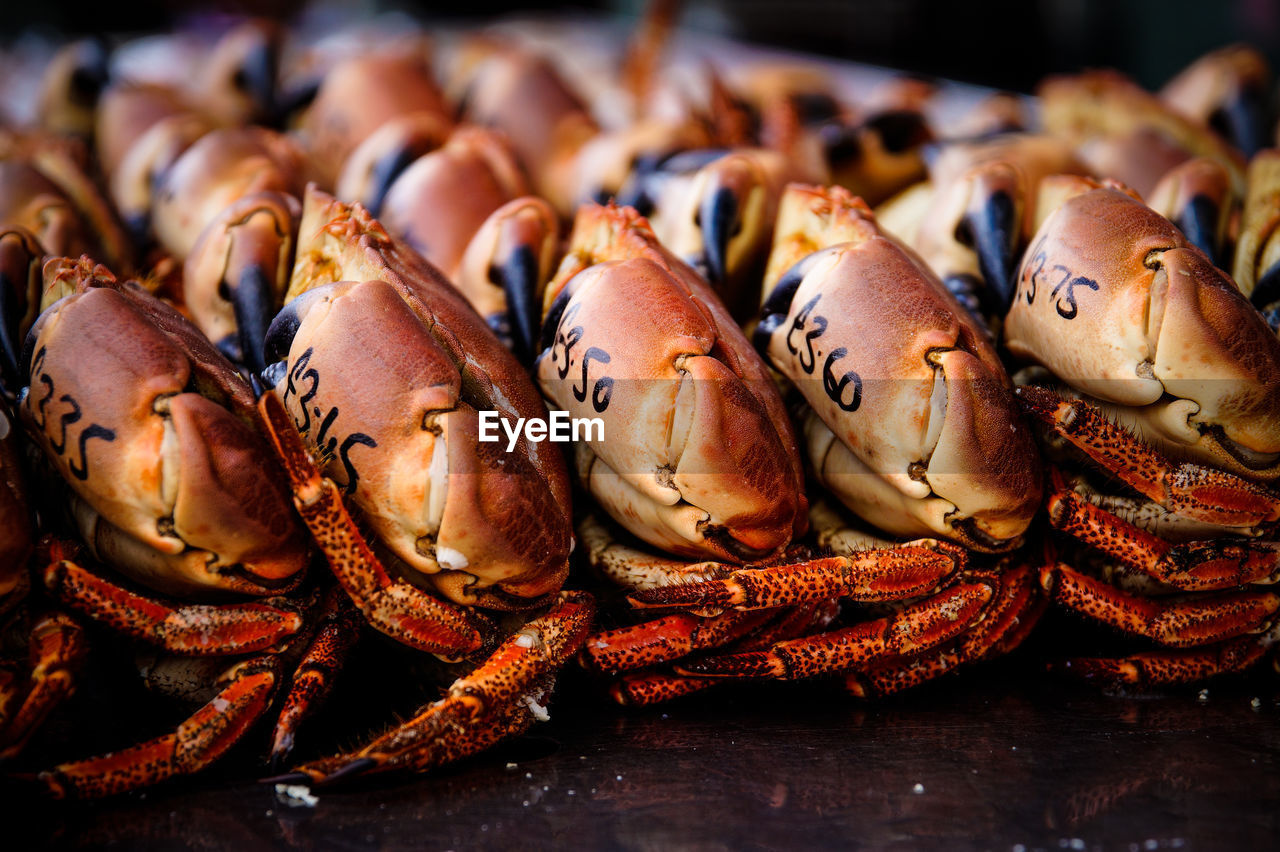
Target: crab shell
[913, 424]
[1113, 300]
[402, 360]
[698, 456]
[222, 167]
[157, 437]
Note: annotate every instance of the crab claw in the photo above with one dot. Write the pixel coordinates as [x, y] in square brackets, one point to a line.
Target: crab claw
[993, 229]
[376, 162]
[1241, 118]
[971, 235]
[505, 267]
[1227, 90]
[238, 83]
[1256, 269]
[235, 277]
[70, 87]
[21, 259]
[1197, 197]
[716, 212]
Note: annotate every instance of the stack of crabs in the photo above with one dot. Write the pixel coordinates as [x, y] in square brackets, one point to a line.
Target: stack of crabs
[875, 390]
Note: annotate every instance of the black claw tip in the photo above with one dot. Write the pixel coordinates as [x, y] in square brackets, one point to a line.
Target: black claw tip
[253, 300]
[1198, 222]
[1267, 291]
[355, 767]
[993, 233]
[518, 277]
[719, 216]
[288, 778]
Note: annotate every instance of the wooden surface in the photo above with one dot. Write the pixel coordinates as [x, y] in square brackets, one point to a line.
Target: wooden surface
[1006, 757]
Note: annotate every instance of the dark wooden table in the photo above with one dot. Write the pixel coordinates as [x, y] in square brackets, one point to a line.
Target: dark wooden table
[1007, 757]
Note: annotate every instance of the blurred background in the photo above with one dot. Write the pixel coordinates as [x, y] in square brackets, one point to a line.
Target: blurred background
[1002, 43]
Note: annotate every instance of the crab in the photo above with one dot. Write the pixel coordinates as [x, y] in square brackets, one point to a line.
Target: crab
[699, 460]
[908, 444]
[457, 527]
[176, 498]
[1165, 378]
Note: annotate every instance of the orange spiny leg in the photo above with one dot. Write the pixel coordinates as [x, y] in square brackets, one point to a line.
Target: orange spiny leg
[1013, 611]
[338, 630]
[905, 571]
[653, 686]
[1180, 622]
[191, 630]
[1189, 490]
[199, 741]
[642, 689]
[57, 651]
[915, 628]
[792, 622]
[1191, 566]
[502, 697]
[665, 639]
[399, 610]
[1168, 668]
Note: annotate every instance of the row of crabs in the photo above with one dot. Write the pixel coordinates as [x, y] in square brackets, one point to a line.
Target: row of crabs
[351, 420]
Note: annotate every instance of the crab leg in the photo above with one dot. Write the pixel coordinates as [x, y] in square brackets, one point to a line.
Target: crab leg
[503, 696]
[904, 571]
[1190, 566]
[642, 689]
[313, 679]
[395, 608]
[1015, 609]
[58, 650]
[1166, 668]
[1195, 492]
[913, 629]
[668, 638]
[199, 741]
[191, 629]
[1197, 620]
